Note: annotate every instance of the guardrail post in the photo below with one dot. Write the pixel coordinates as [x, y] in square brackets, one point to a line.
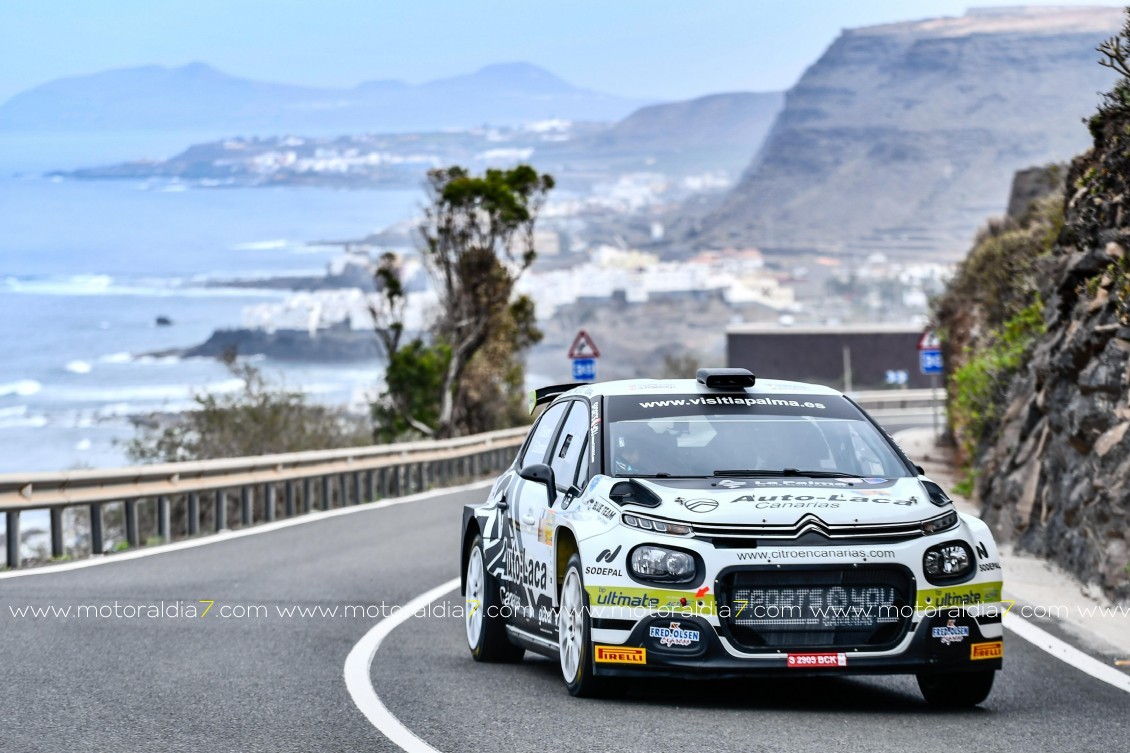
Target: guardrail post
[343, 485]
[371, 486]
[131, 522]
[13, 538]
[97, 545]
[420, 477]
[220, 518]
[327, 492]
[358, 494]
[164, 521]
[193, 514]
[269, 502]
[247, 514]
[290, 499]
[384, 476]
[57, 549]
[307, 494]
[396, 469]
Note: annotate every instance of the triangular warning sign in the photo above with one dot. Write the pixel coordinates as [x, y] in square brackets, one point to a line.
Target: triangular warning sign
[583, 346]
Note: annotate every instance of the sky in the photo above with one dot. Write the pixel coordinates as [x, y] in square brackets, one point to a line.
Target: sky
[654, 49]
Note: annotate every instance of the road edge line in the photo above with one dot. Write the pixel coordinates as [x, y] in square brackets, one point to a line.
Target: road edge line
[358, 673]
[1065, 652]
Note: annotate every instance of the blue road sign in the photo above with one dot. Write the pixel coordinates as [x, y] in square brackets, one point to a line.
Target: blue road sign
[584, 369]
[930, 361]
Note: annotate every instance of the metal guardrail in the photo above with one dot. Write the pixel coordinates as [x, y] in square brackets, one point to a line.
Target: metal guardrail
[899, 399]
[307, 481]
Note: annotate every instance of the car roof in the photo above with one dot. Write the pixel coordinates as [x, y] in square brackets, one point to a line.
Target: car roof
[694, 387]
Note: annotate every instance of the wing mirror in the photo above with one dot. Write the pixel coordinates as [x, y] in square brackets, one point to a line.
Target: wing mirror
[542, 474]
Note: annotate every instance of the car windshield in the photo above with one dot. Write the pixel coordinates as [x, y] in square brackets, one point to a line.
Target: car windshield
[785, 434]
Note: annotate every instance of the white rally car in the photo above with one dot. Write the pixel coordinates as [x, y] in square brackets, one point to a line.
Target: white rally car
[727, 526]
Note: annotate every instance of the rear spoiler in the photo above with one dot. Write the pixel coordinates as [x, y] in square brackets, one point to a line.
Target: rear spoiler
[548, 394]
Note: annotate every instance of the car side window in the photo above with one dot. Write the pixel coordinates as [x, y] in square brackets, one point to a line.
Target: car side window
[542, 435]
[570, 444]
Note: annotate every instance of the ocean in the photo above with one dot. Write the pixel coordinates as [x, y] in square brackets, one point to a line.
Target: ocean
[86, 267]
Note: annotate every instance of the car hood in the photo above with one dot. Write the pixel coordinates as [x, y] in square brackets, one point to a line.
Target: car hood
[786, 500]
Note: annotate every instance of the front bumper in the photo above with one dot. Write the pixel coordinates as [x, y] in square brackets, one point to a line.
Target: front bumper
[712, 656]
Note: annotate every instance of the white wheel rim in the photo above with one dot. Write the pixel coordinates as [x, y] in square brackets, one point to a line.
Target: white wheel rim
[570, 626]
[476, 587]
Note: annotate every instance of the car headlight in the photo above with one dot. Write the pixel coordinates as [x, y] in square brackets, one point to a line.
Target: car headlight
[949, 561]
[659, 526]
[940, 523]
[662, 565]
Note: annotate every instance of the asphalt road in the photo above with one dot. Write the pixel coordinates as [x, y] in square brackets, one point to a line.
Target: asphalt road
[274, 683]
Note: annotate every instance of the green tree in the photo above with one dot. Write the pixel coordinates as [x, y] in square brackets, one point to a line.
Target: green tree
[477, 238]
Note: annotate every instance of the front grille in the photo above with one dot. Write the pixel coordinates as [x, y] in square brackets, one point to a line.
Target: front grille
[866, 607]
[809, 524]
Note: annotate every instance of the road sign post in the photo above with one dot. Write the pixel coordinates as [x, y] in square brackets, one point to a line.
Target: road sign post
[584, 353]
[931, 364]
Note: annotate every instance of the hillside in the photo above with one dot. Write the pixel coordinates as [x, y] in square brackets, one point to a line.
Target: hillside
[1037, 328]
[197, 96]
[902, 137]
[739, 119]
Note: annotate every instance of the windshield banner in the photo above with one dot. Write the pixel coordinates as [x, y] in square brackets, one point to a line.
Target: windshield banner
[645, 407]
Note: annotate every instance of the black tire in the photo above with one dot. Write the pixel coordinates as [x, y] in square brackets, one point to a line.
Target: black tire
[956, 689]
[583, 683]
[492, 643]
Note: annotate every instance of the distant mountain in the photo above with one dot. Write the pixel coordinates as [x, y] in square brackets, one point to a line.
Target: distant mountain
[903, 137]
[740, 119]
[197, 96]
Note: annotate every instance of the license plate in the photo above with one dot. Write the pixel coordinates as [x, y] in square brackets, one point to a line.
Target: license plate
[816, 661]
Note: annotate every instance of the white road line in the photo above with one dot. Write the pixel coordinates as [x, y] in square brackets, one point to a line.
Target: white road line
[358, 672]
[359, 663]
[1066, 653]
[312, 517]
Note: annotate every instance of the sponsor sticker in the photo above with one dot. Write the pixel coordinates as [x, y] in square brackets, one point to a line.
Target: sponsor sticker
[809, 661]
[652, 600]
[991, 650]
[951, 633]
[546, 523]
[620, 655]
[674, 635]
[594, 427]
[971, 595]
[609, 555]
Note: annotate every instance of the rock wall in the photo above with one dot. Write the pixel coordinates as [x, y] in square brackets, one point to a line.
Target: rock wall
[1054, 472]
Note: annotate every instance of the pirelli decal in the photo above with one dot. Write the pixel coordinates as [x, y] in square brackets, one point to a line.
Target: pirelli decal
[620, 655]
[973, 594]
[991, 650]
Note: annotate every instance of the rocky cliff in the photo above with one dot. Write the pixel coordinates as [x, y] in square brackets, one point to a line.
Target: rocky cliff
[903, 137]
[1038, 324]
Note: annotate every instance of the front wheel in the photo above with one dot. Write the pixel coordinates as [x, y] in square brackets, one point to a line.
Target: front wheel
[574, 635]
[956, 689]
[486, 627]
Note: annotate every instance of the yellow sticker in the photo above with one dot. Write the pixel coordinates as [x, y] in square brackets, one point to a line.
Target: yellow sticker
[992, 650]
[620, 655]
[974, 594]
